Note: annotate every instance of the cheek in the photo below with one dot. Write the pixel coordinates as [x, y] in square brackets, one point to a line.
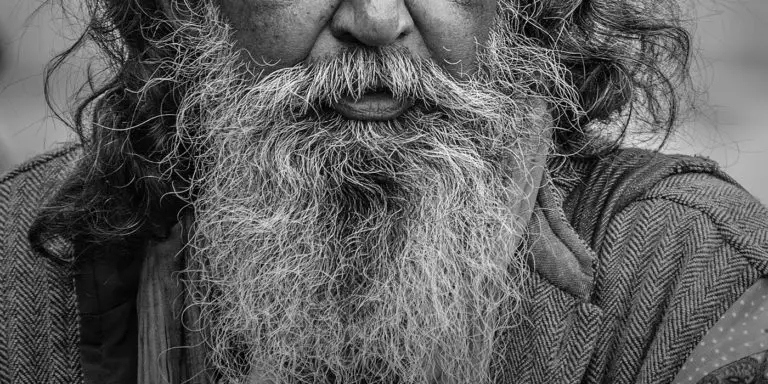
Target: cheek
[452, 29]
[277, 33]
[281, 33]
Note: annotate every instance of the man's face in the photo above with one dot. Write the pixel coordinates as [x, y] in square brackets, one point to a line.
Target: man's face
[278, 34]
[362, 184]
[283, 33]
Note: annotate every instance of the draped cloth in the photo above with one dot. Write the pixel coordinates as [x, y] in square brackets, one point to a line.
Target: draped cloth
[171, 348]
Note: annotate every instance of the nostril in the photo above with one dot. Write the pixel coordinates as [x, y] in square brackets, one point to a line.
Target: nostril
[371, 23]
[346, 37]
[353, 40]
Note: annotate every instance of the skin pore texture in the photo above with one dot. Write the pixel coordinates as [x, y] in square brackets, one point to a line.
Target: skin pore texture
[330, 249]
[283, 33]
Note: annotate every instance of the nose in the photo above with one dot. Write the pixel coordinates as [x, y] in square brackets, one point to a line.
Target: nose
[372, 22]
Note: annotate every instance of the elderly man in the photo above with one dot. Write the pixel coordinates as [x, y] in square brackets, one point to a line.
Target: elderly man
[379, 191]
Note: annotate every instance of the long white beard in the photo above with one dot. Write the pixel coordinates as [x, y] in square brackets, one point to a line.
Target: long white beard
[330, 250]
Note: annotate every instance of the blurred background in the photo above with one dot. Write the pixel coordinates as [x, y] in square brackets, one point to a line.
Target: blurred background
[730, 35]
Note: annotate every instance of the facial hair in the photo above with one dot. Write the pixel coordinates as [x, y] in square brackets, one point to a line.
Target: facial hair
[333, 250]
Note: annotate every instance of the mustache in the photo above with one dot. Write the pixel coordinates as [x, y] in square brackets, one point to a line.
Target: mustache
[310, 88]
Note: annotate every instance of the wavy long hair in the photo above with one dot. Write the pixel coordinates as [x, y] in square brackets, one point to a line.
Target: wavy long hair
[627, 59]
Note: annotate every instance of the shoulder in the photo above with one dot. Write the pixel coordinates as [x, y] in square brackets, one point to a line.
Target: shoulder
[670, 219]
[23, 192]
[686, 235]
[24, 189]
[677, 242]
[634, 187]
[38, 314]
[57, 161]
[739, 219]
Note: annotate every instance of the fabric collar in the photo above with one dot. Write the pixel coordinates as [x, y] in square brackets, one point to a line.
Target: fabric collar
[557, 252]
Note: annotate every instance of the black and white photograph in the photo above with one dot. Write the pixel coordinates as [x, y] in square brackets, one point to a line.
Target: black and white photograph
[384, 191]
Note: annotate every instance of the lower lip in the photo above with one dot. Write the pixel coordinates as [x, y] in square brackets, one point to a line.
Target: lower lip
[378, 106]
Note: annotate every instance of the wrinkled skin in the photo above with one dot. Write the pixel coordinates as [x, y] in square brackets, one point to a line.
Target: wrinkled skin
[282, 33]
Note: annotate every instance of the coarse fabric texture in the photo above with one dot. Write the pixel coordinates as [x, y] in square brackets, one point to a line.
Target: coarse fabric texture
[664, 245]
[676, 243]
[39, 339]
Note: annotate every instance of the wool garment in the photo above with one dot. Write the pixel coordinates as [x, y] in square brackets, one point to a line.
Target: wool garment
[651, 251]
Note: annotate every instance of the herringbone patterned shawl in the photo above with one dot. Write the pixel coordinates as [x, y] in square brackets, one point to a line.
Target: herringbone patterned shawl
[38, 318]
[675, 243]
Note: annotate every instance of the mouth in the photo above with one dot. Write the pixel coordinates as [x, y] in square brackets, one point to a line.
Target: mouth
[378, 105]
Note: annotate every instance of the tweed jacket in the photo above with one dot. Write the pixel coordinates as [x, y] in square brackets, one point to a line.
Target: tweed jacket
[651, 250]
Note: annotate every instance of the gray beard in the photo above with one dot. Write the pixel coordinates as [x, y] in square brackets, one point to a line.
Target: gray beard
[330, 250]
[358, 251]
